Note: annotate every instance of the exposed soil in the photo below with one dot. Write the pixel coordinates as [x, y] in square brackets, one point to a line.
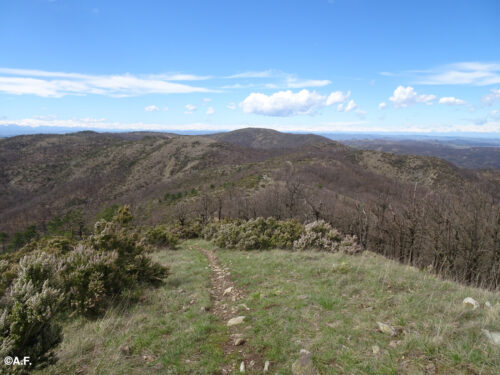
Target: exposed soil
[224, 295]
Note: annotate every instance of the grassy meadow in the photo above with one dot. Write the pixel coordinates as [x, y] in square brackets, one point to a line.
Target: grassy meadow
[326, 303]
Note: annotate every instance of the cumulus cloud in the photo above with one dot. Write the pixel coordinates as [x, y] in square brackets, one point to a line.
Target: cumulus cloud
[283, 103]
[450, 100]
[151, 108]
[491, 97]
[210, 111]
[406, 96]
[59, 84]
[288, 103]
[231, 106]
[189, 109]
[337, 97]
[382, 105]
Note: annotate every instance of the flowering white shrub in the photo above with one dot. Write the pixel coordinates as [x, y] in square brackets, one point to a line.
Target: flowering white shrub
[320, 235]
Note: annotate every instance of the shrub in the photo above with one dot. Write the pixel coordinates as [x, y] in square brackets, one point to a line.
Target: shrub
[319, 235]
[210, 230]
[8, 273]
[286, 233]
[257, 233]
[27, 327]
[131, 259]
[161, 236]
[89, 277]
[56, 275]
[192, 229]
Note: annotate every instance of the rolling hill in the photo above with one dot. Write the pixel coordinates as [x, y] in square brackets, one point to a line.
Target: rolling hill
[45, 175]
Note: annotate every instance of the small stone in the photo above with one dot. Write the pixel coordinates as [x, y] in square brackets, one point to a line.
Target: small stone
[471, 302]
[242, 305]
[494, 337]
[125, 350]
[386, 328]
[266, 366]
[148, 358]
[251, 364]
[242, 367]
[304, 365]
[204, 308]
[430, 369]
[239, 341]
[394, 343]
[227, 291]
[235, 321]
[192, 302]
[375, 349]
[487, 304]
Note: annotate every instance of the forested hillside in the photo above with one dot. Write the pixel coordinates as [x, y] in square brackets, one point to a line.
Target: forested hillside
[419, 210]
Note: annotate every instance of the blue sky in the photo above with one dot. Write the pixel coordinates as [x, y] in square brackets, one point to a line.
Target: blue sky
[338, 65]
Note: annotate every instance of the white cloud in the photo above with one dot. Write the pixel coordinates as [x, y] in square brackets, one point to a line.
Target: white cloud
[406, 96]
[288, 103]
[57, 84]
[189, 109]
[450, 100]
[347, 107]
[382, 105]
[151, 108]
[231, 106]
[492, 97]
[254, 74]
[207, 100]
[165, 109]
[210, 111]
[465, 73]
[239, 86]
[283, 103]
[295, 83]
[337, 97]
[179, 77]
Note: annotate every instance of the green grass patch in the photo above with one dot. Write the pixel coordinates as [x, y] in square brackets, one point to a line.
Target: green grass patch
[165, 329]
[330, 304]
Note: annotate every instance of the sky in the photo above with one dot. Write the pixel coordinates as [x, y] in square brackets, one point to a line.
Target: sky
[303, 66]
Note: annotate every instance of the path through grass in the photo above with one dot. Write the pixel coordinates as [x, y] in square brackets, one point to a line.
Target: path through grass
[166, 331]
[327, 303]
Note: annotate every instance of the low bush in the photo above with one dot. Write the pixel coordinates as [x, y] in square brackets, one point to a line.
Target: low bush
[320, 235]
[269, 233]
[161, 236]
[257, 233]
[27, 324]
[191, 229]
[57, 276]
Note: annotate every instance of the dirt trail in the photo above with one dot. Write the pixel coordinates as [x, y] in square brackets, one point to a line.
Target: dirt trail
[225, 295]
